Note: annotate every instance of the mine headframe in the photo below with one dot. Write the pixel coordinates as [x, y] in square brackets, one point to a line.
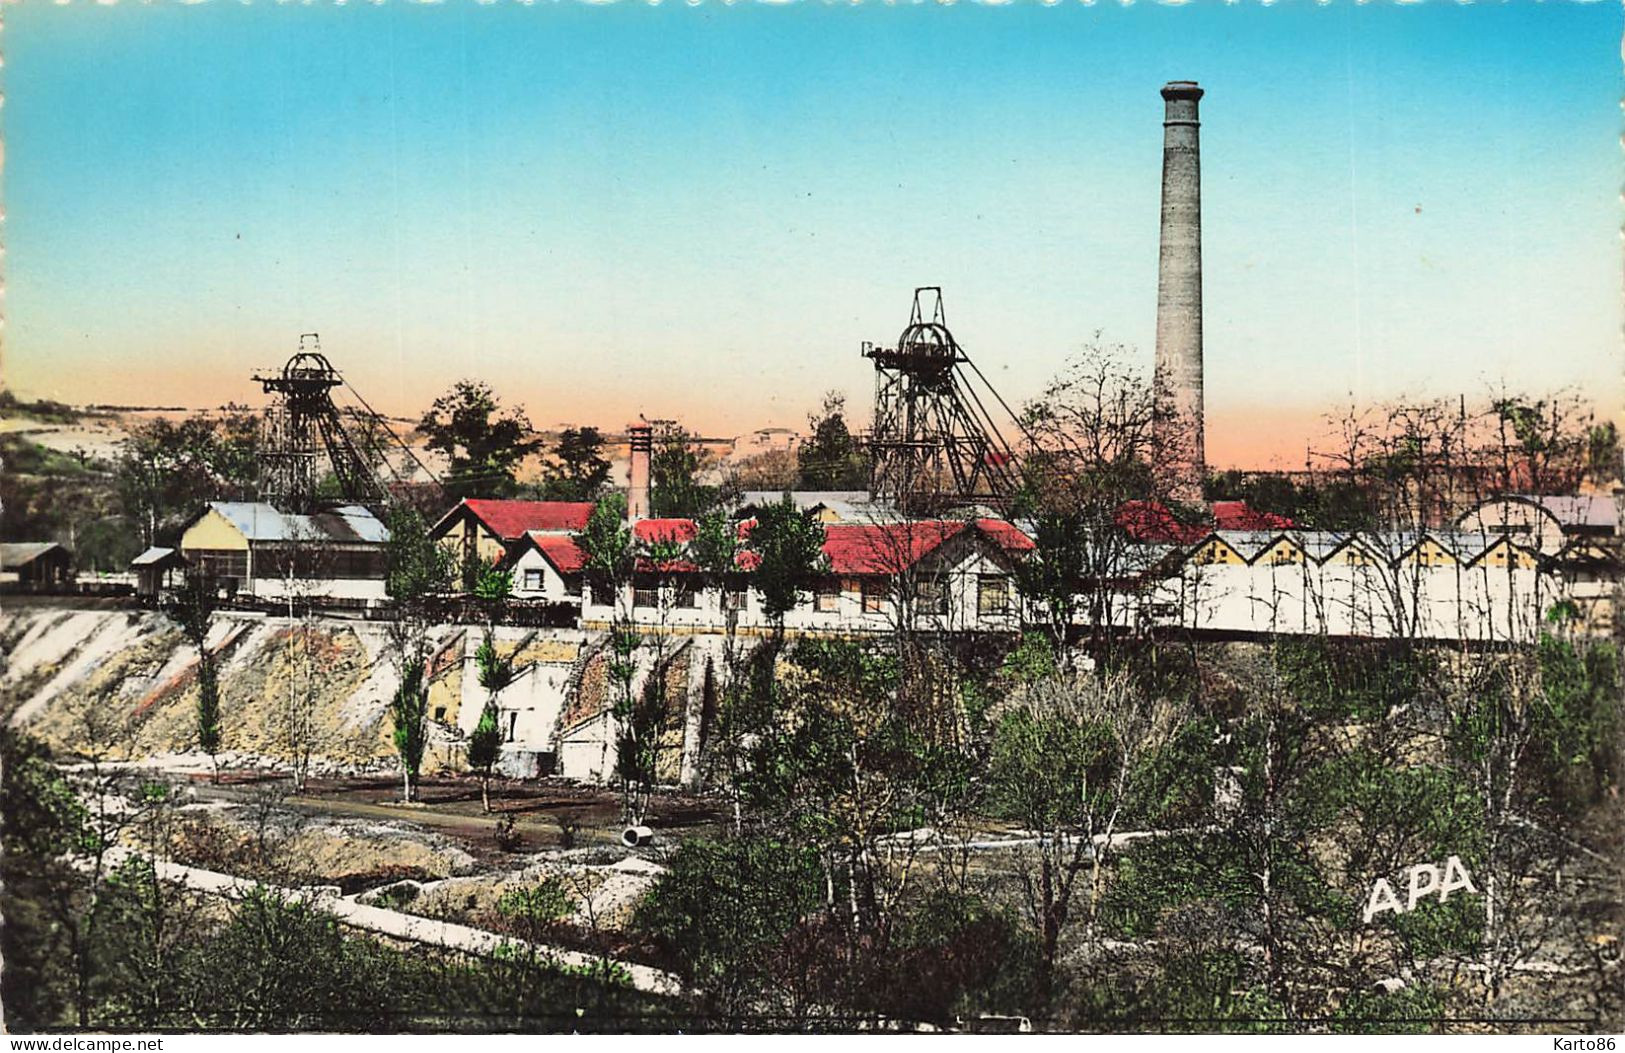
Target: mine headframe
[934, 444]
[304, 426]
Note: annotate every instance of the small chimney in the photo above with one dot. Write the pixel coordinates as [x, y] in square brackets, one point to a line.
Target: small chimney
[637, 493]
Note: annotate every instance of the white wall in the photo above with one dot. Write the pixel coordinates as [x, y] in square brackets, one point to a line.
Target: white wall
[553, 587]
[327, 588]
[533, 701]
[1453, 602]
[960, 562]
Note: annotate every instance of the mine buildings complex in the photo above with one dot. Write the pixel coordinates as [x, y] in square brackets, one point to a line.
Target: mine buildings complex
[934, 545]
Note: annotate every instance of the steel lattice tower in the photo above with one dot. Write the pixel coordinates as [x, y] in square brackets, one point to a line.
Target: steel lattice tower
[303, 425]
[933, 443]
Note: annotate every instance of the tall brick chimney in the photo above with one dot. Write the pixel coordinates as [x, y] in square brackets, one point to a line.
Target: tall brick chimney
[637, 492]
[1180, 459]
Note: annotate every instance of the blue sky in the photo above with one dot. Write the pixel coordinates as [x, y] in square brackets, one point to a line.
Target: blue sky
[700, 212]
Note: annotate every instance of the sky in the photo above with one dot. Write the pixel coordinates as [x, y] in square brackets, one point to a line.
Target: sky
[701, 211]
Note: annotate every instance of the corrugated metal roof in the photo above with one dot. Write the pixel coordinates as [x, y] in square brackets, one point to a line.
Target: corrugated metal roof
[260, 522]
[255, 520]
[363, 523]
[154, 555]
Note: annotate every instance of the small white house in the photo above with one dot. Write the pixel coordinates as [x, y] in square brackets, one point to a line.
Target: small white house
[547, 567]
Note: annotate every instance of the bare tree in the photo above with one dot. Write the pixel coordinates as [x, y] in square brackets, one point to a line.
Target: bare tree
[1095, 495]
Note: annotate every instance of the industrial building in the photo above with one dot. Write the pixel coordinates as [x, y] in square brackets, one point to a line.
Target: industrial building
[250, 549]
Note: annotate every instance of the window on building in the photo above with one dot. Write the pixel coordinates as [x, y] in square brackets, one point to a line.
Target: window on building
[601, 594]
[874, 596]
[218, 563]
[931, 596]
[829, 596]
[645, 593]
[685, 596]
[513, 725]
[533, 580]
[993, 594]
[735, 597]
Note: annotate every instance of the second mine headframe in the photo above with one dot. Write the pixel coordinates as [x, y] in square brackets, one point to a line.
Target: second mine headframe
[934, 444]
[303, 426]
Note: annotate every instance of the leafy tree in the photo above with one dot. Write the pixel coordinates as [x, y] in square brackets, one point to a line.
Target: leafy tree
[108, 543]
[166, 469]
[1603, 463]
[838, 763]
[193, 607]
[483, 443]
[606, 543]
[409, 713]
[610, 560]
[675, 467]
[830, 458]
[577, 469]
[492, 588]
[789, 548]
[1061, 764]
[1050, 577]
[42, 816]
[723, 909]
[716, 547]
[485, 742]
[415, 566]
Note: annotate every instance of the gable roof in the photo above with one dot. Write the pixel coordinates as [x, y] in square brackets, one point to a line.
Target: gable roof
[560, 550]
[1007, 536]
[511, 520]
[891, 548]
[884, 548]
[19, 554]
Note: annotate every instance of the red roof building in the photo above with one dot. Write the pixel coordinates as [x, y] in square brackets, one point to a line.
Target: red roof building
[658, 531]
[855, 549]
[1153, 522]
[488, 527]
[511, 519]
[558, 549]
[1238, 515]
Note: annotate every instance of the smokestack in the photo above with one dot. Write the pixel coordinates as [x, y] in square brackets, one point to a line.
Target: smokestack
[1178, 382]
[637, 493]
